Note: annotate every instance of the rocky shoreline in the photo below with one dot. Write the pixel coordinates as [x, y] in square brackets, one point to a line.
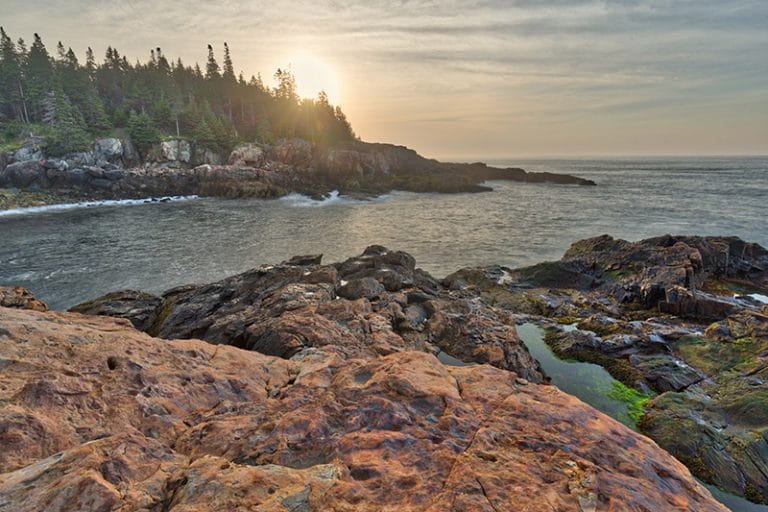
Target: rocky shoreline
[114, 169]
[369, 383]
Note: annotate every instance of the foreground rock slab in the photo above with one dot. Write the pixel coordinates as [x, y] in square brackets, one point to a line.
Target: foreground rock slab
[95, 415]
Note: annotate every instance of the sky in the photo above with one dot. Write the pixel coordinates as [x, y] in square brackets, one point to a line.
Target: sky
[472, 79]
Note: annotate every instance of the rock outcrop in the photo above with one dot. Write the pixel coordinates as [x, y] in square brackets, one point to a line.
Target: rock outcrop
[112, 170]
[95, 415]
[681, 317]
[375, 304]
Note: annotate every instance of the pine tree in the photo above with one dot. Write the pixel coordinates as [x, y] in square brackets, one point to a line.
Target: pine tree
[12, 104]
[212, 67]
[229, 69]
[39, 75]
[90, 63]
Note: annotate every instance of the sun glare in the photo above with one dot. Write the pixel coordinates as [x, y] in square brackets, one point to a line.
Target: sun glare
[312, 76]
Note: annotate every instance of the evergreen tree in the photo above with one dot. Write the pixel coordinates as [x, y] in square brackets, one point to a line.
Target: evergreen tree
[142, 131]
[162, 114]
[229, 69]
[90, 64]
[39, 75]
[212, 67]
[12, 101]
[214, 107]
[67, 133]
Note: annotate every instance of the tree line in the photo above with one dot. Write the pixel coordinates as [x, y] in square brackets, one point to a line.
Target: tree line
[71, 102]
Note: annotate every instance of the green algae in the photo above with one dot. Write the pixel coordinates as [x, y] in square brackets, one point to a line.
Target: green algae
[634, 399]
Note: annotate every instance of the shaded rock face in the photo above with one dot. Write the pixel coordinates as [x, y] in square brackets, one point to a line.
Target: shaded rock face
[95, 415]
[248, 155]
[175, 150]
[672, 316]
[25, 174]
[108, 150]
[253, 170]
[374, 304]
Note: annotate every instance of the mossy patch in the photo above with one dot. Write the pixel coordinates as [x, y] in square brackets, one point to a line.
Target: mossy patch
[713, 357]
[634, 399]
[750, 408]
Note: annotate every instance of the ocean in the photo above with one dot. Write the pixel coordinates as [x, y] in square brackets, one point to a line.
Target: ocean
[69, 255]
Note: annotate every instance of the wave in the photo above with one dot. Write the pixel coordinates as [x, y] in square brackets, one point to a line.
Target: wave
[93, 204]
[301, 201]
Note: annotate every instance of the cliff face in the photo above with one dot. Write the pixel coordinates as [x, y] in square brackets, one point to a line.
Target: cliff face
[113, 169]
[95, 415]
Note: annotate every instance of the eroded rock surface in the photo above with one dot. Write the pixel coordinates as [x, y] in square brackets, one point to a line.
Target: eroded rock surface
[95, 415]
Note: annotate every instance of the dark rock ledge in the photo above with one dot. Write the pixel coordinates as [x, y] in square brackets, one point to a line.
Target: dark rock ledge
[113, 170]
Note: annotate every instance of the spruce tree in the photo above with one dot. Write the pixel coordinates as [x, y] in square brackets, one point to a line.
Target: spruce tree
[12, 104]
[229, 69]
[142, 131]
[67, 128]
[39, 76]
[211, 67]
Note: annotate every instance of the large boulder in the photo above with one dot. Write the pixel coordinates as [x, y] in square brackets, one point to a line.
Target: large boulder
[176, 150]
[29, 151]
[251, 154]
[25, 174]
[95, 415]
[295, 152]
[86, 158]
[131, 156]
[20, 298]
[205, 156]
[108, 150]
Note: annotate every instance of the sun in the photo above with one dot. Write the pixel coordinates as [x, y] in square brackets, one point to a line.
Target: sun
[312, 76]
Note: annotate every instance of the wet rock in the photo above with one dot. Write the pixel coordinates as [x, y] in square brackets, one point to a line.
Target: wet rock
[665, 372]
[189, 425]
[141, 308]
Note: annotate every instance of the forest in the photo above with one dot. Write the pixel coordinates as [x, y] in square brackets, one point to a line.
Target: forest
[68, 103]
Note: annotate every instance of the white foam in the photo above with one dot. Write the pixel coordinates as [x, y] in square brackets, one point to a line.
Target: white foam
[302, 201]
[759, 297]
[92, 204]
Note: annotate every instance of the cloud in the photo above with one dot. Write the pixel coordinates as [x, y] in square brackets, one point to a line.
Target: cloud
[468, 63]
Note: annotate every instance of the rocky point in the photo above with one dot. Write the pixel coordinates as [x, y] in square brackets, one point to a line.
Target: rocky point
[113, 169]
